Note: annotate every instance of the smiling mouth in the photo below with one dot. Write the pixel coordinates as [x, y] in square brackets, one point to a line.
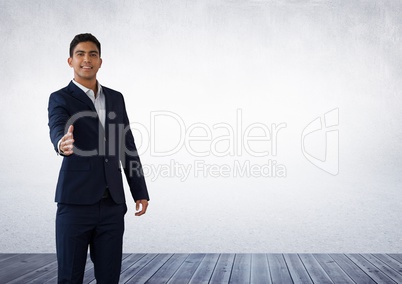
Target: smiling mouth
[86, 67]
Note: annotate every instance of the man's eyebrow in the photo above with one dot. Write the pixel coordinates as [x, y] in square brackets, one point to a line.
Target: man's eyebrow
[91, 51]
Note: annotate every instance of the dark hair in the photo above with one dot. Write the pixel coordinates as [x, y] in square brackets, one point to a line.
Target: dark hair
[84, 38]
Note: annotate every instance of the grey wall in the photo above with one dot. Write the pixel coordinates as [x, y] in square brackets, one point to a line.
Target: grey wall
[238, 63]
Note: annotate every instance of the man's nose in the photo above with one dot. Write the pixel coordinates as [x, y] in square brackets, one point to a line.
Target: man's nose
[87, 58]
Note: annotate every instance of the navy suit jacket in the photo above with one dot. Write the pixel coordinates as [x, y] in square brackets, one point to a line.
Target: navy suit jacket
[100, 153]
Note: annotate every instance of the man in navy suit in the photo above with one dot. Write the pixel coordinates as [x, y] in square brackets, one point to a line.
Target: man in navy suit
[89, 127]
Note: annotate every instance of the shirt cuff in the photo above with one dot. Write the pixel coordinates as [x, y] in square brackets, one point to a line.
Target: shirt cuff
[58, 147]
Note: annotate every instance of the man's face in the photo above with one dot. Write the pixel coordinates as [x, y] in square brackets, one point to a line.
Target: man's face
[85, 61]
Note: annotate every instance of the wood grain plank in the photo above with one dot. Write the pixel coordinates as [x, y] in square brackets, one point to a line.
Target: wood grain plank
[391, 262]
[391, 273]
[5, 256]
[150, 268]
[23, 264]
[296, 269]
[333, 270]
[135, 267]
[168, 269]
[278, 268]
[18, 258]
[187, 269]
[31, 276]
[351, 269]
[204, 271]
[375, 268]
[51, 276]
[314, 269]
[223, 269]
[127, 260]
[260, 269]
[396, 256]
[130, 260]
[220, 268]
[241, 269]
[369, 268]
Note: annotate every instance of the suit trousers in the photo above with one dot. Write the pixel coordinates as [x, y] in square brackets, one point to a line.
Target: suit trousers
[100, 227]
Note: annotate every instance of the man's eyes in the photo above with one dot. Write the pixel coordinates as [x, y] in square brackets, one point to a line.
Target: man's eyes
[91, 54]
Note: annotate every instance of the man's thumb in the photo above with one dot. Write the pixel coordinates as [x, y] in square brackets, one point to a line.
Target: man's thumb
[70, 129]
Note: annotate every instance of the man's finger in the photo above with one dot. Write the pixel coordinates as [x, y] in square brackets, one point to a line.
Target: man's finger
[66, 145]
[144, 204]
[69, 141]
[68, 153]
[70, 129]
[139, 213]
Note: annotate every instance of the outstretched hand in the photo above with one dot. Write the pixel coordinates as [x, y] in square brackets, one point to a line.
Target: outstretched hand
[66, 144]
[143, 203]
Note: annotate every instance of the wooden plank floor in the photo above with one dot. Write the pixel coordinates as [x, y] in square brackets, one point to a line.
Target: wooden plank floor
[220, 268]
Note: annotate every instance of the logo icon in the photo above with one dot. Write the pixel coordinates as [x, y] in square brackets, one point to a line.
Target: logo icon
[320, 142]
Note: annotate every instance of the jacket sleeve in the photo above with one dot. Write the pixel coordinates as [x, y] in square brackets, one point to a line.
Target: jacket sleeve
[58, 117]
[131, 162]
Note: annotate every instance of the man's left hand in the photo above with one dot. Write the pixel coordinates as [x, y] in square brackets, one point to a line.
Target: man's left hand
[143, 203]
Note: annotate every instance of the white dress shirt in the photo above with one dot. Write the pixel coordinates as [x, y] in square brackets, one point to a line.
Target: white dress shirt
[98, 101]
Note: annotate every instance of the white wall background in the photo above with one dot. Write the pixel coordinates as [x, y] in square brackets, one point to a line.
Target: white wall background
[278, 61]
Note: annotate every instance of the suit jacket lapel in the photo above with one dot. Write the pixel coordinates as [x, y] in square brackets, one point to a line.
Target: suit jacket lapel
[109, 111]
[109, 108]
[81, 96]
[108, 102]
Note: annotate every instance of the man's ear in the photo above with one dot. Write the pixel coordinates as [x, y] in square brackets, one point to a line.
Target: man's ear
[100, 62]
[69, 61]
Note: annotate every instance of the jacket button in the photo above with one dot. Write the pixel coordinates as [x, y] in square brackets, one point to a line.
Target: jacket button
[106, 160]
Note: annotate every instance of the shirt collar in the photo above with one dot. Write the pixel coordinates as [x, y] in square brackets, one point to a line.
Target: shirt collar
[85, 89]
